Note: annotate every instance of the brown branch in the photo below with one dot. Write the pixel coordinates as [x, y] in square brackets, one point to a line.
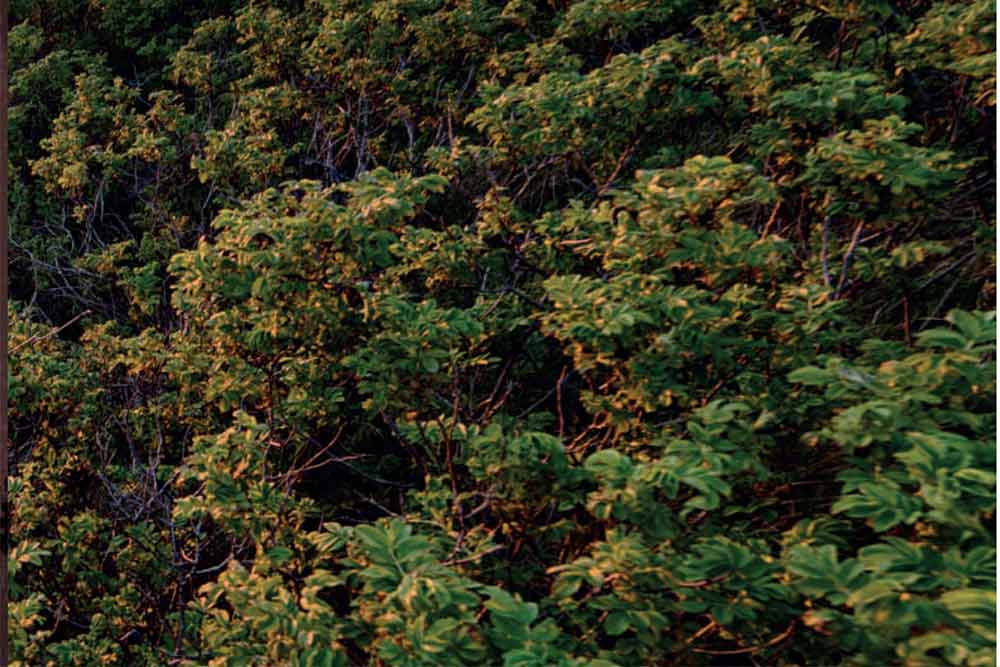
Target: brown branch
[770, 221]
[702, 583]
[52, 333]
[618, 167]
[752, 649]
[711, 627]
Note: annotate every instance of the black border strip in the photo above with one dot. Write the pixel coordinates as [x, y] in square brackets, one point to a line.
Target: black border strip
[4, 231]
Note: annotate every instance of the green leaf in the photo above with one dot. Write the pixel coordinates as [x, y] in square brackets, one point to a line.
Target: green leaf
[617, 623]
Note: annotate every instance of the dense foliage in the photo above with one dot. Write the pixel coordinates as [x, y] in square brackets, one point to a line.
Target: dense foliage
[441, 333]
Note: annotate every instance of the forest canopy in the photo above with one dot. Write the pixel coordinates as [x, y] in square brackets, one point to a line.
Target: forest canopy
[527, 333]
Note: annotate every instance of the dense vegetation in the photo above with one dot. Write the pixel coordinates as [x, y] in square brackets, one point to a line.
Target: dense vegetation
[440, 333]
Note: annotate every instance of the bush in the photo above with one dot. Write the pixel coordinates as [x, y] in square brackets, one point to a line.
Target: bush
[426, 333]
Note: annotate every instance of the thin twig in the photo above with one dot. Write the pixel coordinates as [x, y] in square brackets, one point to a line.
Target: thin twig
[770, 221]
[701, 633]
[823, 252]
[752, 649]
[847, 260]
[476, 557]
[52, 333]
